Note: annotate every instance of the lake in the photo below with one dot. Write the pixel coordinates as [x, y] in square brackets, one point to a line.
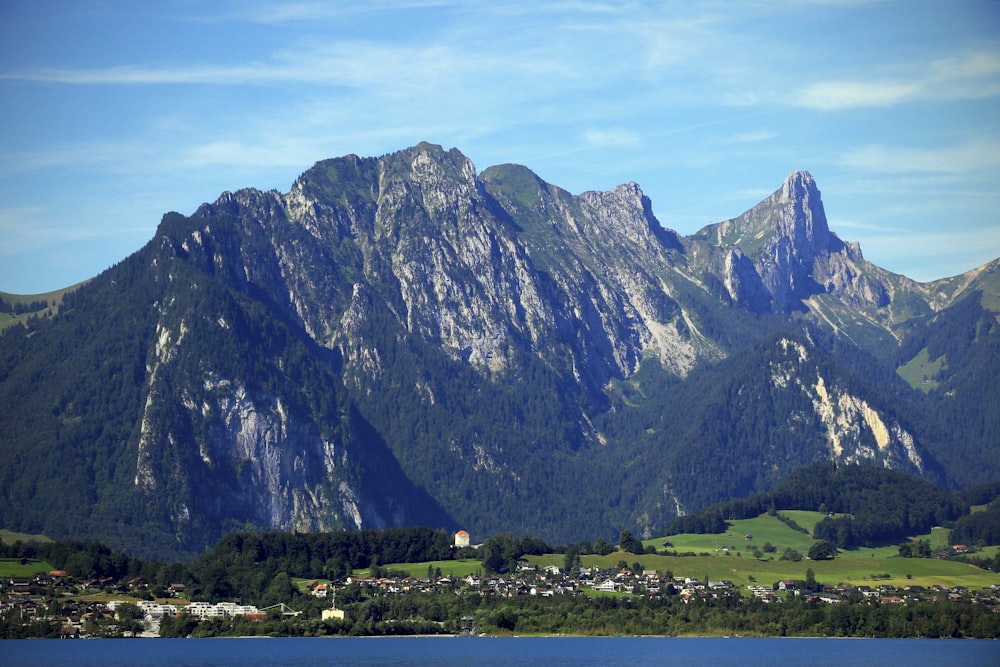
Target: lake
[490, 652]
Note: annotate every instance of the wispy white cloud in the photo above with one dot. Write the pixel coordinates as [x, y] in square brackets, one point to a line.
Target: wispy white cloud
[278, 13]
[967, 65]
[610, 137]
[753, 137]
[178, 74]
[836, 95]
[964, 158]
[967, 75]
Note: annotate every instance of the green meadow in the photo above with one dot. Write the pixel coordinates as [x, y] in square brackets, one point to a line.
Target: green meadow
[9, 537]
[449, 568]
[12, 567]
[858, 567]
[53, 300]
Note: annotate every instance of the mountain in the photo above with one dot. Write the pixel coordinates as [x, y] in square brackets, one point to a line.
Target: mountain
[402, 340]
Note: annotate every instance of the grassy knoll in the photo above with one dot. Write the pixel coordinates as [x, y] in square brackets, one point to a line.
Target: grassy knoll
[857, 567]
[9, 537]
[921, 371]
[302, 584]
[12, 567]
[846, 569]
[53, 301]
[764, 529]
[449, 568]
[806, 519]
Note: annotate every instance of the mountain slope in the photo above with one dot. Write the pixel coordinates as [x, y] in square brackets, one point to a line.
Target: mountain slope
[401, 340]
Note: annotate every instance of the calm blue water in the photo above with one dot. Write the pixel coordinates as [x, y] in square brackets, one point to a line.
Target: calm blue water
[489, 652]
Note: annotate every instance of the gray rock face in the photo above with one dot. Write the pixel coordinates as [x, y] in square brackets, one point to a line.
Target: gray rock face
[488, 269]
[794, 253]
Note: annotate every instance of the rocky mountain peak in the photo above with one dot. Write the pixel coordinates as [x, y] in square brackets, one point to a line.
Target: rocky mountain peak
[785, 249]
[802, 219]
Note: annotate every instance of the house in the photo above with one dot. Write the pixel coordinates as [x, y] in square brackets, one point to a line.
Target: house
[461, 539]
[762, 592]
[334, 614]
[20, 585]
[320, 591]
[867, 592]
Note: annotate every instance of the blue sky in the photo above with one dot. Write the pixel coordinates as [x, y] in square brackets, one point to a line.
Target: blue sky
[114, 112]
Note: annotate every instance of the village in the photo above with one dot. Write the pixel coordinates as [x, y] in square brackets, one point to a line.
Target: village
[93, 608]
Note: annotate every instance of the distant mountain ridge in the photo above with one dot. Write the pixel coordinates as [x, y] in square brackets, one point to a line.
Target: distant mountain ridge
[403, 340]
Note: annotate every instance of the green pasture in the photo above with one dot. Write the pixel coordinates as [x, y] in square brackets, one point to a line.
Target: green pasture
[857, 567]
[449, 568]
[920, 371]
[9, 537]
[987, 552]
[807, 519]
[763, 529]
[12, 567]
[853, 569]
[54, 300]
[302, 584]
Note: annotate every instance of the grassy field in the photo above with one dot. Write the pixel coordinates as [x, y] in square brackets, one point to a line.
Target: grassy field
[763, 529]
[853, 569]
[9, 537]
[920, 371]
[11, 567]
[856, 567]
[449, 568]
[54, 299]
